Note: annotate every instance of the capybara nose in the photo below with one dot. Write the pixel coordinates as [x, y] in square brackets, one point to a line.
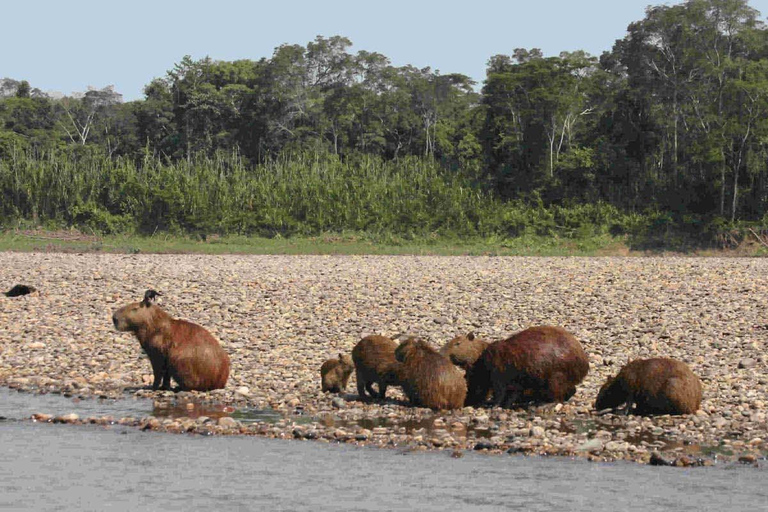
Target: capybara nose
[114, 321]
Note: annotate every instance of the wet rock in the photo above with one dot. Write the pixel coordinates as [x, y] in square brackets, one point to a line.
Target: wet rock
[228, 422]
[43, 418]
[591, 446]
[66, 418]
[338, 402]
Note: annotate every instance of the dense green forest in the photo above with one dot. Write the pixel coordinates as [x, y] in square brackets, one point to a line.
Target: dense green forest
[666, 130]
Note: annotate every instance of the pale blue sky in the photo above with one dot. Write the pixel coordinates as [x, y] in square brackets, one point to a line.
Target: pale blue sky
[68, 45]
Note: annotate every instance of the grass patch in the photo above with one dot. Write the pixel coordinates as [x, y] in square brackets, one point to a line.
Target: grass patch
[345, 243]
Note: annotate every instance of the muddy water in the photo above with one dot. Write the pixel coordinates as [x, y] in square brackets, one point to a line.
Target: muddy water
[62, 467]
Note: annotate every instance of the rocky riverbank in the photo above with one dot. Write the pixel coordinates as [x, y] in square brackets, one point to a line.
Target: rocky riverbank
[280, 317]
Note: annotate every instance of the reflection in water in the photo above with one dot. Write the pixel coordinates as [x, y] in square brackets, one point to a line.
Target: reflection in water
[191, 409]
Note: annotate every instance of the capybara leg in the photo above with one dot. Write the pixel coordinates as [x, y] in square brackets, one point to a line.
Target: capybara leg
[558, 389]
[569, 393]
[630, 404]
[382, 390]
[499, 393]
[166, 383]
[361, 388]
[158, 369]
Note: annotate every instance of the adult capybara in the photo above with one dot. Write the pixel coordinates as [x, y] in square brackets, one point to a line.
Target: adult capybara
[654, 386]
[374, 357]
[176, 348]
[542, 364]
[428, 378]
[334, 373]
[20, 290]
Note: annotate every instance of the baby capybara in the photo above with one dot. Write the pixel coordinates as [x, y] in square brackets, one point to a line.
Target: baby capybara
[428, 378]
[542, 364]
[374, 357]
[654, 386]
[334, 373]
[176, 348]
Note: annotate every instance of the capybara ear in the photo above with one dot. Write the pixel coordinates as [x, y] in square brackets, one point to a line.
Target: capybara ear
[471, 336]
[150, 296]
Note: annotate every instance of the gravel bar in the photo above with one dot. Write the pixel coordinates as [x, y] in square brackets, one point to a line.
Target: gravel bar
[280, 317]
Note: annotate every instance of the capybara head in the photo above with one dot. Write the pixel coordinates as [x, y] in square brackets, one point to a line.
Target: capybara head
[610, 395]
[136, 314]
[463, 351]
[346, 361]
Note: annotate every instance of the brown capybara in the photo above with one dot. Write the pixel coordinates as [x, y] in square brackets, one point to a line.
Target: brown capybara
[428, 378]
[464, 351]
[334, 373]
[176, 348]
[20, 290]
[374, 357]
[653, 386]
[542, 364]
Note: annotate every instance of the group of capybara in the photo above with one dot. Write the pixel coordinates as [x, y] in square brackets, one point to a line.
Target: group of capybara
[540, 364]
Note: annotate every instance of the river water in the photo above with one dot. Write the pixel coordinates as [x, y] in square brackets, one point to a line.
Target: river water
[63, 467]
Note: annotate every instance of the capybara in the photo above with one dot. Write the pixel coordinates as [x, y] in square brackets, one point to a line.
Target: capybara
[374, 357]
[464, 351]
[654, 386]
[176, 348]
[428, 378]
[19, 290]
[542, 364]
[334, 373]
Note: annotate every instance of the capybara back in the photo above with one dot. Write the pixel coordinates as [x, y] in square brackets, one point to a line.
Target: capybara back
[428, 378]
[543, 364]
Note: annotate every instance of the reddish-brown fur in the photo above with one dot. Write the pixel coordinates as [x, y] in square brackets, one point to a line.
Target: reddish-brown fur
[654, 386]
[374, 357]
[464, 351]
[176, 348]
[428, 378]
[334, 373]
[542, 363]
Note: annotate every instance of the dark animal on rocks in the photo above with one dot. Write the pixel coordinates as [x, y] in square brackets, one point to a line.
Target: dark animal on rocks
[541, 364]
[653, 386]
[334, 373]
[374, 358]
[19, 290]
[428, 378]
[176, 348]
